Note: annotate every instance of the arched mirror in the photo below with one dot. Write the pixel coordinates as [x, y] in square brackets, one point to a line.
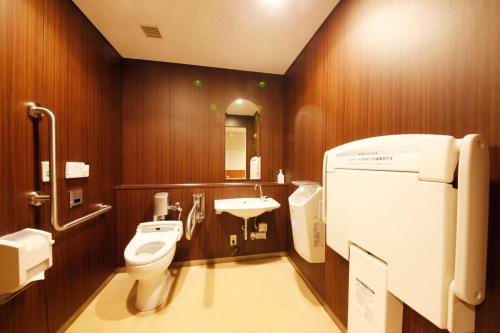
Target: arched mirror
[242, 140]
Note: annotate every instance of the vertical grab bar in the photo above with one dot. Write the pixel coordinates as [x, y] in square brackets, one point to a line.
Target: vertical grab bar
[196, 215]
[36, 198]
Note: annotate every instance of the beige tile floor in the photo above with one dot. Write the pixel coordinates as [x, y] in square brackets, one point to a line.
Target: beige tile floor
[264, 295]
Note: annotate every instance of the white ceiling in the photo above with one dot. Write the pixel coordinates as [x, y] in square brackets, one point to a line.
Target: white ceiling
[252, 35]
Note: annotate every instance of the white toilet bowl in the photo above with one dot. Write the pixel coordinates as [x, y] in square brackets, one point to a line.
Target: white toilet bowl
[147, 257]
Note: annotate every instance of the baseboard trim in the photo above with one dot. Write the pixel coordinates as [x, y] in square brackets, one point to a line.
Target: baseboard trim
[85, 304]
[318, 297]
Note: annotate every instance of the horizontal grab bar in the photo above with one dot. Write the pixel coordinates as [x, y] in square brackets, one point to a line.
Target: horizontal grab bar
[101, 209]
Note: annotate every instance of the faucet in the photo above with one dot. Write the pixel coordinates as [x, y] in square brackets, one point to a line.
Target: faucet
[262, 197]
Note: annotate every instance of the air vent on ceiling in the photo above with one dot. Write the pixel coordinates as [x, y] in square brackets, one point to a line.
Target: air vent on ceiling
[151, 31]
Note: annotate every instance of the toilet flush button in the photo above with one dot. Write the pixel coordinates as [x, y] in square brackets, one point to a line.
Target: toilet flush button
[75, 197]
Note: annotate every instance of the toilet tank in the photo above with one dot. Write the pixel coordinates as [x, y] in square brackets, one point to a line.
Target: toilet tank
[308, 229]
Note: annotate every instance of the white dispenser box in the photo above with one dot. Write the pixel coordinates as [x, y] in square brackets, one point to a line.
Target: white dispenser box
[77, 170]
[255, 167]
[371, 307]
[308, 229]
[25, 256]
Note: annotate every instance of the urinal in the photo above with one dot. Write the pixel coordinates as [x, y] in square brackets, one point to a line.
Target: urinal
[308, 229]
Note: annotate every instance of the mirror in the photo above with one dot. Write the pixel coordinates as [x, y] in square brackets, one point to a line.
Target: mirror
[242, 140]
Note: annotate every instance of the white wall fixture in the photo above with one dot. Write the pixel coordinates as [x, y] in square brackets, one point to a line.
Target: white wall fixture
[419, 204]
[77, 170]
[372, 308]
[246, 208]
[148, 256]
[308, 229]
[24, 256]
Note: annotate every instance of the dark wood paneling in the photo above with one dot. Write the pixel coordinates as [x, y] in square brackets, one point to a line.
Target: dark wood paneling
[145, 122]
[271, 101]
[50, 53]
[306, 112]
[81, 85]
[336, 283]
[20, 73]
[386, 67]
[211, 237]
[161, 186]
[173, 130]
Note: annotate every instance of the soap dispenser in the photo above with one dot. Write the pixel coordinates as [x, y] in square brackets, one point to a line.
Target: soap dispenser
[281, 177]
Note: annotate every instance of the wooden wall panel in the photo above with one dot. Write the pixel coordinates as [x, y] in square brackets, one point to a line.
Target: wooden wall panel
[81, 86]
[145, 121]
[305, 116]
[388, 67]
[50, 53]
[173, 130]
[20, 73]
[271, 100]
[211, 237]
[336, 283]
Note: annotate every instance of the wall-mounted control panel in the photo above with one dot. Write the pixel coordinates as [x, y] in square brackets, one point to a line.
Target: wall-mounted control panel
[77, 170]
[45, 171]
[75, 197]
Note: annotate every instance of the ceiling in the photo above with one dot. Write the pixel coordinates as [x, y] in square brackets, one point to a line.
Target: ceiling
[252, 35]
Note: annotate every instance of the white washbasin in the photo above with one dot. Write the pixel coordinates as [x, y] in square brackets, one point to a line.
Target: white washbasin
[245, 207]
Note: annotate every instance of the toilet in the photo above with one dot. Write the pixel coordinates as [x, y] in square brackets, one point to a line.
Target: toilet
[147, 257]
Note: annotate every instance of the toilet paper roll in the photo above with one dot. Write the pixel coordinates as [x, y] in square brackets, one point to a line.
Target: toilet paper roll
[161, 204]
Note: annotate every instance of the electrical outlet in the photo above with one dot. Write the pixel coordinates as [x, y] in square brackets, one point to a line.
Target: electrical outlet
[233, 240]
[257, 235]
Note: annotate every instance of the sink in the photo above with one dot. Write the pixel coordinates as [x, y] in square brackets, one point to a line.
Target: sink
[245, 207]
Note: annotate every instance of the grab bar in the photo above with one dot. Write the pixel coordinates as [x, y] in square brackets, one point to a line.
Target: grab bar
[36, 198]
[196, 215]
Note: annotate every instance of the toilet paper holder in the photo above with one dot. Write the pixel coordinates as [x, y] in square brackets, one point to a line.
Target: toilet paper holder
[25, 256]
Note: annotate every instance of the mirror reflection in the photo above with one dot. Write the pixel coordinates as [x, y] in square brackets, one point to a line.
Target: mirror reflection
[242, 140]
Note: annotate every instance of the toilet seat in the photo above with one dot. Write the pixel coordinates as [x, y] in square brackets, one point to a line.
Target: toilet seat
[152, 241]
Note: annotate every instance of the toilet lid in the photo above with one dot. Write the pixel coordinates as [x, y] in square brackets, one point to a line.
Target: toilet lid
[145, 248]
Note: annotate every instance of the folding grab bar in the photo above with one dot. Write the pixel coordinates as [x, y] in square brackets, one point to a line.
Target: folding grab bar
[36, 198]
[196, 215]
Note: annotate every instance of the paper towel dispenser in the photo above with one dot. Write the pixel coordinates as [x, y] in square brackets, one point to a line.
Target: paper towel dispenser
[419, 203]
[25, 256]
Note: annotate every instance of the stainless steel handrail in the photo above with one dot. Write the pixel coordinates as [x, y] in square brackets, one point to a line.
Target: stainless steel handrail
[36, 198]
[196, 215]
[101, 208]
